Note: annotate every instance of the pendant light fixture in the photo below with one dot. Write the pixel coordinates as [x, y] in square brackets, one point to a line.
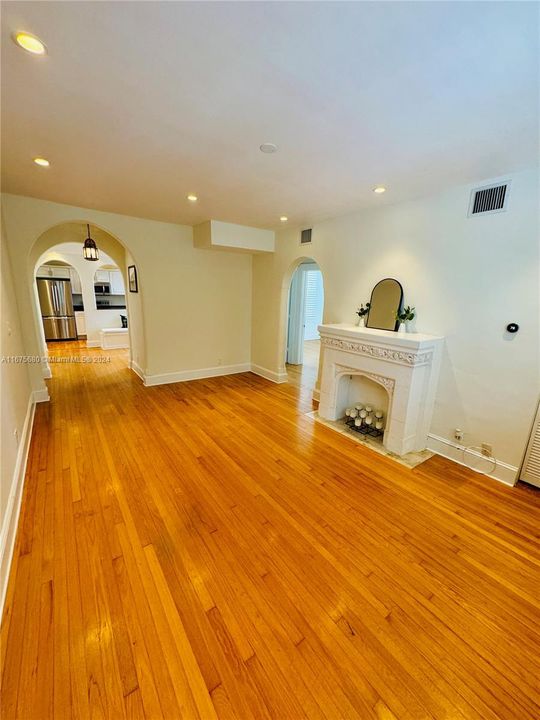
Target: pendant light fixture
[90, 251]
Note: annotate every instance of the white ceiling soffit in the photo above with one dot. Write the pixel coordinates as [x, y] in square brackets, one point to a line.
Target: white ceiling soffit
[230, 236]
[138, 104]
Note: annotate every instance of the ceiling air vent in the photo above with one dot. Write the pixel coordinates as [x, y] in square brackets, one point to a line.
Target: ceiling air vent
[489, 199]
[305, 237]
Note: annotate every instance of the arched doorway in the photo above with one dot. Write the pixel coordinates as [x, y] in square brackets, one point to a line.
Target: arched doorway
[304, 315]
[62, 245]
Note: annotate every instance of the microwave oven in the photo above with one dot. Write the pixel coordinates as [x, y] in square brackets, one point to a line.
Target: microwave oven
[102, 288]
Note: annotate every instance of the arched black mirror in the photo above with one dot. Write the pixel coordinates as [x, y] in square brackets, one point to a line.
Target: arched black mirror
[386, 301]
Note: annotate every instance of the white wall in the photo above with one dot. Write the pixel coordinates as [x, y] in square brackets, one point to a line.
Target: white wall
[16, 395]
[195, 304]
[467, 277]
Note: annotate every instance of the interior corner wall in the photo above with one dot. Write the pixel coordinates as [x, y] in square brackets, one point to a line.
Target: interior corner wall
[195, 304]
[16, 399]
[468, 278]
[135, 321]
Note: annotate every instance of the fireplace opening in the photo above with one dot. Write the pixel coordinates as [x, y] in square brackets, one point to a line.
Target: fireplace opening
[363, 406]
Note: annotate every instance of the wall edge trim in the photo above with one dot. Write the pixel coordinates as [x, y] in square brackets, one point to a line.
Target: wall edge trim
[41, 395]
[8, 533]
[269, 374]
[199, 374]
[137, 369]
[504, 472]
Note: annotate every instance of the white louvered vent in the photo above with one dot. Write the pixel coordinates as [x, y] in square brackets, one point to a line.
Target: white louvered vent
[305, 237]
[530, 471]
[489, 199]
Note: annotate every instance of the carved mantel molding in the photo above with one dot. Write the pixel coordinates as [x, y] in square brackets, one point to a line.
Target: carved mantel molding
[401, 357]
[386, 382]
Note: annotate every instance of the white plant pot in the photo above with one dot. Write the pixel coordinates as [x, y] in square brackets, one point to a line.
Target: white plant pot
[411, 326]
[402, 328]
[361, 322]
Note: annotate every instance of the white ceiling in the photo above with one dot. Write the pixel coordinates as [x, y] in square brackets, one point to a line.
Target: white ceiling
[138, 104]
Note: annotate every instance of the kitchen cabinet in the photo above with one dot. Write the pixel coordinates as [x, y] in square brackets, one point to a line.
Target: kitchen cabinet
[80, 321]
[113, 278]
[53, 271]
[75, 281]
[102, 276]
[117, 282]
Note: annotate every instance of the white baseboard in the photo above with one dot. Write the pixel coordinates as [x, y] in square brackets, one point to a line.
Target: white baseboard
[41, 395]
[185, 375]
[137, 369]
[10, 523]
[115, 346]
[503, 472]
[316, 394]
[269, 374]
[93, 343]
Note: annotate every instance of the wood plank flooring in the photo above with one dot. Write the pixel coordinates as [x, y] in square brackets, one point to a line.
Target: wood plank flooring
[305, 375]
[205, 550]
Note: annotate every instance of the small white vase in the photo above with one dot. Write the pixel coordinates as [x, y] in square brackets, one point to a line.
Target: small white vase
[402, 328]
[361, 322]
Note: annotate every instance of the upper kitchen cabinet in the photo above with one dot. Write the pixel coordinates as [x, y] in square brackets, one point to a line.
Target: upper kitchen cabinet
[102, 276]
[76, 287]
[113, 278]
[53, 271]
[117, 282]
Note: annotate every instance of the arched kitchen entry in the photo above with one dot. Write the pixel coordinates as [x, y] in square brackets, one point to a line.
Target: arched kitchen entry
[110, 320]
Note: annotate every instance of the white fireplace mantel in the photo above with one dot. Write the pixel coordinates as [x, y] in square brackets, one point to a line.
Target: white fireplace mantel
[405, 364]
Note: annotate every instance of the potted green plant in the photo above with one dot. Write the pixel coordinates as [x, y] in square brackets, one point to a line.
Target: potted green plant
[362, 312]
[405, 316]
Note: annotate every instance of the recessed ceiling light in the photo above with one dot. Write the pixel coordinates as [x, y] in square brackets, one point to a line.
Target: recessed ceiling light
[42, 162]
[379, 189]
[30, 43]
[283, 218]
[192, 198]
[268, 148]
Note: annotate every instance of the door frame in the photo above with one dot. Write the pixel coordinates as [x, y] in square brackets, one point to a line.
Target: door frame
[294, 346]
[295, 327]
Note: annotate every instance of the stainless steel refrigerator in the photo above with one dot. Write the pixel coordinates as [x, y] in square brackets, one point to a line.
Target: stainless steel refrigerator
[57, 309]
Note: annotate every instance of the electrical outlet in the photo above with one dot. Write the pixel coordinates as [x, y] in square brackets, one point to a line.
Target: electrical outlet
[458, 435]
[16, 435]
[487, 449]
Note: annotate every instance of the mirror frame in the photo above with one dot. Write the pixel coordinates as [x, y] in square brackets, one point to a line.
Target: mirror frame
[399, 307]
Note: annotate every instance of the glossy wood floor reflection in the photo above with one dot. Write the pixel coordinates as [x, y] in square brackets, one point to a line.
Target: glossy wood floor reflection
[205, 550]
[305, 375]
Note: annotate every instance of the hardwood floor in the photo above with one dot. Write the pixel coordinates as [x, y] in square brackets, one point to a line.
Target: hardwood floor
[305, 375]
[205, 550]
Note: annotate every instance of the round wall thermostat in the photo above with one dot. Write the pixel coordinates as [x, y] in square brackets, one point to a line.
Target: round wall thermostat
[512, 327]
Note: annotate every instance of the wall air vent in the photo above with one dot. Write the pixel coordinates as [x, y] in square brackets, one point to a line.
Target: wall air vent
[305, 237]
[489, 199]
